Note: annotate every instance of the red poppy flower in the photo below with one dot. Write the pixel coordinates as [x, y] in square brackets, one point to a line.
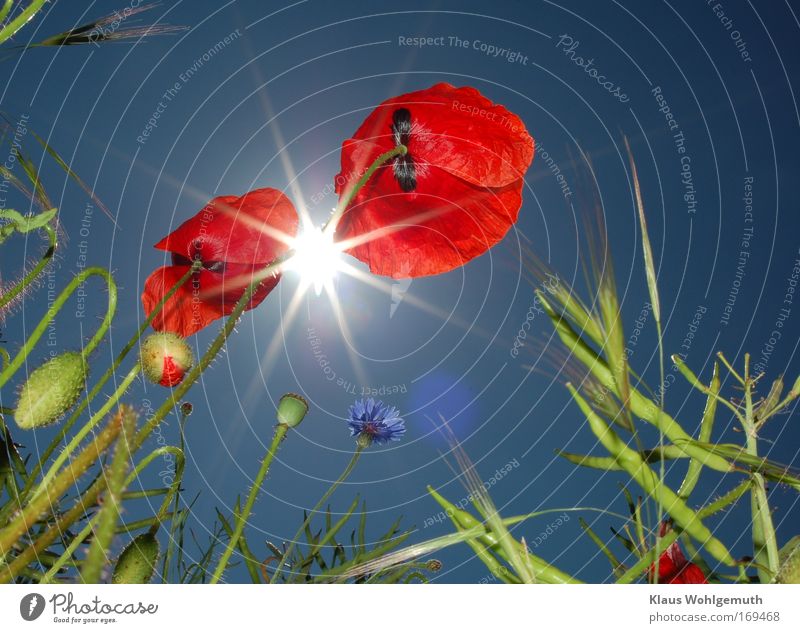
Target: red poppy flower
[232, 237]
[674, 569]
[454, 194]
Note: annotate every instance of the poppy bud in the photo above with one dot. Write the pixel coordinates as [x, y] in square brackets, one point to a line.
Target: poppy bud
[789, 557]
[186, 409]
[51, 390]
[166, 358]
[292, 409]
[137, 562]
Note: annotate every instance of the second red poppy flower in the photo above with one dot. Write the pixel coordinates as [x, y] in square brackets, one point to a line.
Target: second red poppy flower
[232, 238]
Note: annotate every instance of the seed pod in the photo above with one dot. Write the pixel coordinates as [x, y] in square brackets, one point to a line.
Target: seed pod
[292, 409]
[51, 390]
[165, 358]
[137, 562]
[789, 557]
[796, 387]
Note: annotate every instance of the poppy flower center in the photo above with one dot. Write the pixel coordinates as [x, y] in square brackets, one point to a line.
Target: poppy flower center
[210, 265]
[404, 171]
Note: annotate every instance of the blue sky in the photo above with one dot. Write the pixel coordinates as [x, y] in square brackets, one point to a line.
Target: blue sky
[257, 94]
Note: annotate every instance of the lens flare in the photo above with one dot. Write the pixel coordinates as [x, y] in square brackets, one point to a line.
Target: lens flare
[317, 258]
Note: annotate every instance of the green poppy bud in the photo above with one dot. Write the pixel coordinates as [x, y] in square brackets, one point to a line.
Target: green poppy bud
[137, 562]
[292, 409]
[165, 358]
[789, 557]
[51, 390]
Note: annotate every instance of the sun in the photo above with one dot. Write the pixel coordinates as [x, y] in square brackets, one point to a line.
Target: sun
[317, 259]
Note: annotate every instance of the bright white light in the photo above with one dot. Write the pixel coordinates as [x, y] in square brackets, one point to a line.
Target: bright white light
[316, 258]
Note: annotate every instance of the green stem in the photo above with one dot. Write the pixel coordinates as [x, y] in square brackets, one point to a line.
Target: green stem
[241, 518]
[350, 194]
[646, 561]
[93, 421]
[662, 463]
[81, 537]
[765, 546]
[463, 520]
[21, 20]
[638, 470]
[706, 425]
[65, 428]
[14, 292]
[345, 474]
[66, 478]
[640, 405]
[6, 9]
[108, 517]
[58, 304]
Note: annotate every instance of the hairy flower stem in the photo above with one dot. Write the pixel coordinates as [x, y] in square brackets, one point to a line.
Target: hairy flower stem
[108, 517]
[65, 428]
[290, 548]
[48, 498]
[57, 305]
[80, 538]
[241, 517]
[8, 296]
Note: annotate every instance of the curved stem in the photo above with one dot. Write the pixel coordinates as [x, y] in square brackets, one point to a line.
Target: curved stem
[241, 519]
[348, 196]
[14, 292]
[345, 474]
[58, 304]
[65, 428]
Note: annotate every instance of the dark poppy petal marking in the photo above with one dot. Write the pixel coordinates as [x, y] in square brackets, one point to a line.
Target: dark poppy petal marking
[404, 170]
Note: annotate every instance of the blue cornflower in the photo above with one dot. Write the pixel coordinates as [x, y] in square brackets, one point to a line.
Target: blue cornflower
[372, 421]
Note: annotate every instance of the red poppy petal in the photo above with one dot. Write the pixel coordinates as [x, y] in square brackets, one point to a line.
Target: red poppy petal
[429, 231]
[675, 554]
[202, 299]
[227, 288]
[455, 129]
[184, 313]
[252, 229]
[691, 575]
[666, 569]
